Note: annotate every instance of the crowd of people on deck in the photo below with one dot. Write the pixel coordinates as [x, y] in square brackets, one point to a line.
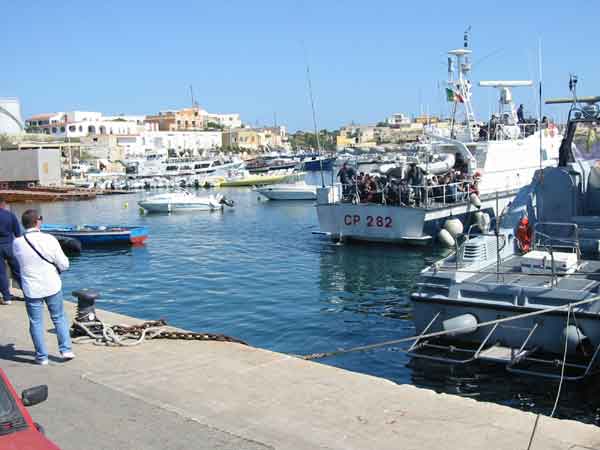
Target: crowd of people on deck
[414, 188]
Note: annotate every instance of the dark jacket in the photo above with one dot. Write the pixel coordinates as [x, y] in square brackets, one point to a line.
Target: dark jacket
[9, 227]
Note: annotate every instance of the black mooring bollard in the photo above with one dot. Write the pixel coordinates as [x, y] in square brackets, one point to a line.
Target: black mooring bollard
[86, 309]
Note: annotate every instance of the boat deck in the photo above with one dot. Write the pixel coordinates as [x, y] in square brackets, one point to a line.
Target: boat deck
[586, 278]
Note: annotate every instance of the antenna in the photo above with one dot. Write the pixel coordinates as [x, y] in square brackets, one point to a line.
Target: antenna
[466, 37]
[192, 95]
[540, 101]
[573, 85]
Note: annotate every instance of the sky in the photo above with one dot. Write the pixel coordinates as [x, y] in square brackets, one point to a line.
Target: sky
[367, 59]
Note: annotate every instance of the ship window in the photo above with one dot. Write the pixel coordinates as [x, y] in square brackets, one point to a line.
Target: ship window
[72, 128]
[171, 168]
[62, 129]
[80, 129]
[92, 129]
[54, 130]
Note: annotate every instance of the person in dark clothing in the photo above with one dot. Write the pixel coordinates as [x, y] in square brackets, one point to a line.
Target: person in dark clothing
[521, 114]
[347, 176]
[9, 230]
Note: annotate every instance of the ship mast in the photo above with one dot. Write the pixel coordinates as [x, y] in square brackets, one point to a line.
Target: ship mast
[461, 87]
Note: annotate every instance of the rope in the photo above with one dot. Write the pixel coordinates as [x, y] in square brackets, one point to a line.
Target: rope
[99, 333]
[110, 337]
[562, 377]
[562, 370]
[537, 419]
[445, 332]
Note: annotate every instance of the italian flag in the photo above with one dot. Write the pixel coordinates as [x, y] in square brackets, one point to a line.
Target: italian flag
[454, 96]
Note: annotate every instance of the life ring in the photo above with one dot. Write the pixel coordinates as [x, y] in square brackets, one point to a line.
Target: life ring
[523, 235]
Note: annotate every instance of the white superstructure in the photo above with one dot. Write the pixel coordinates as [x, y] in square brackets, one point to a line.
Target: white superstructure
[496, 159]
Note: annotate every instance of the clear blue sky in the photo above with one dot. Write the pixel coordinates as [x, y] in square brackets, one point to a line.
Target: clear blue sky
[367, 59]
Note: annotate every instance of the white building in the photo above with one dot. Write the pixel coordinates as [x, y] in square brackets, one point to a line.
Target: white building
[397, 119]
[165, 143]
[225, 120]
[76, 124]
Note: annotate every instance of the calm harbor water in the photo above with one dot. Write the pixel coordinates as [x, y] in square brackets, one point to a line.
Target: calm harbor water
[257, 272]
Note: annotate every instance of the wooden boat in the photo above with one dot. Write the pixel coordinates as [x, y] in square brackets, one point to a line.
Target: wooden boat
[93, 235]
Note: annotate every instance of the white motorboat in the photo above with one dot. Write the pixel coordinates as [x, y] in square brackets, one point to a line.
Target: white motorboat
[183, 201]
[289, 191]
[467, 169]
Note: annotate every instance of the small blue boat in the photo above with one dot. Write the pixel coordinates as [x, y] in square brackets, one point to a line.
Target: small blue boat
[92, 235]
[318, 163]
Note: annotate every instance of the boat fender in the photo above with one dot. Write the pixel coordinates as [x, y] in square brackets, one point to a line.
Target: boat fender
[454, 226]
[445, 238]
[463, 324]
[475, 200]
[574, 336]
[482, 220]
[487, 220]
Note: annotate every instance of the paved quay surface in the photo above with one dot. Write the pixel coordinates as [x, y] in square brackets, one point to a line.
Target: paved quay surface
[211, 395]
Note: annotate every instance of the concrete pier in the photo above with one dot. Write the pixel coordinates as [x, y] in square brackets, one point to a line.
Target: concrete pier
[210, 395]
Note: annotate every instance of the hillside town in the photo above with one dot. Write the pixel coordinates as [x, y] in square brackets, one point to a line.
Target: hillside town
[72, 143]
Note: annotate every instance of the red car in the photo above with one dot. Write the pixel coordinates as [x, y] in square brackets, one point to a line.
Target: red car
[18, 431]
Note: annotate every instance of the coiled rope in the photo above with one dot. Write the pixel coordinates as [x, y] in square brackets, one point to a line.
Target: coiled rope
[99, 333]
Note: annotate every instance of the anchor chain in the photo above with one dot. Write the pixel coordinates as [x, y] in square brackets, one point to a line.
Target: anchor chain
[129, 335]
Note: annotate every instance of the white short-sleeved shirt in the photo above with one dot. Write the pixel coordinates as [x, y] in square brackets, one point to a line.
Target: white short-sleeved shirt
[39, 278]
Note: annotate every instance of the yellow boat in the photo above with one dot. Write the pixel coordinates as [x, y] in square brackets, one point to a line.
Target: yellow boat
[247, 179]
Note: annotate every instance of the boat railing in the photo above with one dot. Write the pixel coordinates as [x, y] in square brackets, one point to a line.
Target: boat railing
[551, 236]
[508, 131]
[399, 193]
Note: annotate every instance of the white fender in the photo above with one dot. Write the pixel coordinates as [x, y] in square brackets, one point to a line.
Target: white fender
[463, 324]
[574, 336]
[445, 238]
[454, 226]
[475, 200]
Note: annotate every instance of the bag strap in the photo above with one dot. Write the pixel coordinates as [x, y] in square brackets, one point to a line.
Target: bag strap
[39, 254]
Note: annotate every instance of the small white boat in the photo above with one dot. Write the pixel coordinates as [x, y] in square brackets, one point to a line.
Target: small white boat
[183, 201]
[289, 191]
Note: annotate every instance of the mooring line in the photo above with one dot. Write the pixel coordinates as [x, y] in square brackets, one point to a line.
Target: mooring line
[361, 348]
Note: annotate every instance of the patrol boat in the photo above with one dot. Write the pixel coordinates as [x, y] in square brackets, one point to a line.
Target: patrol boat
[497, 160]
[523, 293]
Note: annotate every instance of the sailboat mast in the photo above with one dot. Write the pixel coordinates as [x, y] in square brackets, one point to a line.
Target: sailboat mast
[314, 116]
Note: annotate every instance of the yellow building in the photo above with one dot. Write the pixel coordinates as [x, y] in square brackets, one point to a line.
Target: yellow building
[255, 138]
[186, 119]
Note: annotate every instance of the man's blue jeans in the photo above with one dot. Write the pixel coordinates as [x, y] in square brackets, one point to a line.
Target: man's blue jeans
[35, 311]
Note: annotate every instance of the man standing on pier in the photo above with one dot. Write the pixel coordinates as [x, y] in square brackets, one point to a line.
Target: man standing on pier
[42, 260]
[9, 230]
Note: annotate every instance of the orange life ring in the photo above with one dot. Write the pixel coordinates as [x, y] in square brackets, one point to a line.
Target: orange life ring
[524, 234]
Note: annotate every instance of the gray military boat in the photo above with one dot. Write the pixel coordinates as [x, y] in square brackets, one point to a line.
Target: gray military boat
[525, 294]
